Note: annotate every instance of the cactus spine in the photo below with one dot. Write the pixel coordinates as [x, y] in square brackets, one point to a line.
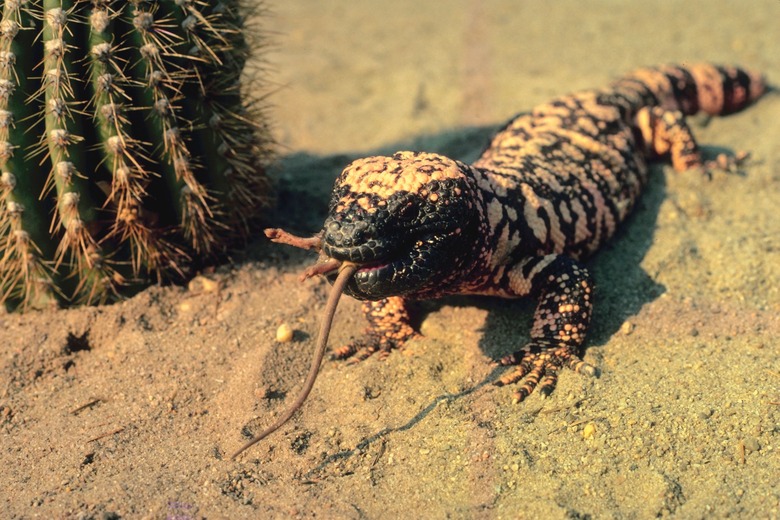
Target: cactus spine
[127, 146]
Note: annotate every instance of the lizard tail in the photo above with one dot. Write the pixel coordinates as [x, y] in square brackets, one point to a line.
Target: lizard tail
[702, 87]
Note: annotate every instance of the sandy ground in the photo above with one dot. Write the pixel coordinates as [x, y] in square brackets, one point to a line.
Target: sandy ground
[131, 410]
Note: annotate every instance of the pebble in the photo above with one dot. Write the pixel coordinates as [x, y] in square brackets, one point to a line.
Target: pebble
[627, 328]
[202, 283]
[588, 431]
[752, 444]
[284, 334]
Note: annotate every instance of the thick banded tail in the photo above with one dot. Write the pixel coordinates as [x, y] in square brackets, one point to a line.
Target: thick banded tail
[714, 89]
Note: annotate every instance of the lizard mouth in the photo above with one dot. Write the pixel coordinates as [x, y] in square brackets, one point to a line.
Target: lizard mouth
[383, 272]
[376, 280]
[373, 270]
[373, 267]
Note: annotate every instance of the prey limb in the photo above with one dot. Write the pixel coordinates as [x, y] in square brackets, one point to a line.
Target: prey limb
[281, 236]
[324, 267]
[314, 243]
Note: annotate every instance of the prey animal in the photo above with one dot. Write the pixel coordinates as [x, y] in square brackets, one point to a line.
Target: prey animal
[548, 191]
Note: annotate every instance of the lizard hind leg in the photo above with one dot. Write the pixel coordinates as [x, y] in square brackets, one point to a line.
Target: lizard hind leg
[665, 133]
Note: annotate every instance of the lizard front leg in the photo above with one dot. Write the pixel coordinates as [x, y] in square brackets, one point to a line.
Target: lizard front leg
[564, 291]
[389, 327]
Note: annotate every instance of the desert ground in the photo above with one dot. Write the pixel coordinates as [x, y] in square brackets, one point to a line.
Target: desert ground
[132, 410]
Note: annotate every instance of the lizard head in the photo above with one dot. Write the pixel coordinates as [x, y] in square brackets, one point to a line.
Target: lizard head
[410, 223]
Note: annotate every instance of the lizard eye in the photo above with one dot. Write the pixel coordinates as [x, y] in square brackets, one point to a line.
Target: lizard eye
[408, 212]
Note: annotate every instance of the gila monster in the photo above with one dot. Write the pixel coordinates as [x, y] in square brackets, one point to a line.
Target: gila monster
[547, 192]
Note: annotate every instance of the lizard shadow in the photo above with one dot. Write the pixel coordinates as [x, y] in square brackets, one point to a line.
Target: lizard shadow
[384, 433]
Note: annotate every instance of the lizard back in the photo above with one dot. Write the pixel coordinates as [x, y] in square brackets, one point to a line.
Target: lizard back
[560, 178]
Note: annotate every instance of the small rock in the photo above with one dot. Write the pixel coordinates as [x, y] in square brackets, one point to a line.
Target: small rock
[627, 328]
[588, 431]
[752, 444]
[284, 334]
[201, 283]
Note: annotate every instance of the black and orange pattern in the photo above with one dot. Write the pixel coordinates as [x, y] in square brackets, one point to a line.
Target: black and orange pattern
[548, 191]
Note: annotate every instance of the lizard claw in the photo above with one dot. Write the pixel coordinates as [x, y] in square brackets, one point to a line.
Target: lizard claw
[538, 366]
[726, 163]
[362, 349]
[354, 352]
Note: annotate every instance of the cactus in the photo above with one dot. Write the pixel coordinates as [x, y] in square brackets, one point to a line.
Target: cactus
[128, 149]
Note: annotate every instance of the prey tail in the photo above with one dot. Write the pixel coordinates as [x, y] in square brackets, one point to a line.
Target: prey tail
[714, 89]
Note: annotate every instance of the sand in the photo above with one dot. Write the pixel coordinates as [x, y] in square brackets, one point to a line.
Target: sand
[132, 410]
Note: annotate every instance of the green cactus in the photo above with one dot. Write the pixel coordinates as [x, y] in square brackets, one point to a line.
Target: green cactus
[127, 146]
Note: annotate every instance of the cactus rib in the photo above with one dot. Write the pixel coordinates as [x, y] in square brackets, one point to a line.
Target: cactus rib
[24, 273]
[76, 210]
[156, 39]
[121, 153]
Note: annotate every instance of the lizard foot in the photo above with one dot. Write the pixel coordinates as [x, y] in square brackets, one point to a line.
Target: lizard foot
[539, 366]
[389, 329]
[362, 349]
[726, 163]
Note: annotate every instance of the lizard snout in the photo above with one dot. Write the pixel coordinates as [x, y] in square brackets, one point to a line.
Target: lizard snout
[353, 241]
